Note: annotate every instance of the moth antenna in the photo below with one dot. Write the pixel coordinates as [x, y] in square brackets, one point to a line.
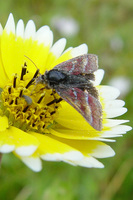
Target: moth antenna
[35, 75]
[32, 62]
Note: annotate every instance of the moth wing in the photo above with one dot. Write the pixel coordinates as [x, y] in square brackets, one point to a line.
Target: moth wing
[87, 105]
[85, 64]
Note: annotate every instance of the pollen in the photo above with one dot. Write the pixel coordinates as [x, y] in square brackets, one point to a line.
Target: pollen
[29, 105]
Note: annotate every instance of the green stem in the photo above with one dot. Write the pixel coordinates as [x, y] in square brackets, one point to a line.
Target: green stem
[0, 158]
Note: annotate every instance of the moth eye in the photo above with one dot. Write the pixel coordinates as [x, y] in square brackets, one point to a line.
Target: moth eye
[56, 76]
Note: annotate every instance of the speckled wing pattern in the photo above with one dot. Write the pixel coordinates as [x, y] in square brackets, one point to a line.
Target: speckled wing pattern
[85, 64]
[84, 101]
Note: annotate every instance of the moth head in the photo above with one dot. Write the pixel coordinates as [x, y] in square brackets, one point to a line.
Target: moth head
[54, 77]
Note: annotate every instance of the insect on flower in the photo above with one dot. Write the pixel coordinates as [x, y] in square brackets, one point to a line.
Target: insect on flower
[72, 81]
[38, 117]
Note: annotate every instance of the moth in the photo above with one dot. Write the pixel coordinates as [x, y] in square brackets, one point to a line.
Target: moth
[73, 81]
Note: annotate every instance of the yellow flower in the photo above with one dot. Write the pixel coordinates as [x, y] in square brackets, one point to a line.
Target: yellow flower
[31, 126]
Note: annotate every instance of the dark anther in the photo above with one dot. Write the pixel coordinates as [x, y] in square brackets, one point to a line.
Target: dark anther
[17, 111]
[9, 90]
[33, 124]
[11, 102]
[21, 92]
[25, 109]
[29, 117]
[25, 64]
[41, 117]
[23, 72]
[42, 113]
[35, 109]
[52, 112]
[36, 73]
[39, 101]
[53, 92]
[30, 82]
[6, 99]
[16, 100]
[51, 102]
[54, 101]
[17, 116]
[59, 100]
[44, 126]
[14, 81]
[33, 79]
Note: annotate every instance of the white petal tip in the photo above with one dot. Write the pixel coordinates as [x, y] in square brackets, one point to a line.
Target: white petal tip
[114, 122]
[90, 162]
[99, 74]
[10, 24]
[115, 112]
[103, 151]
[34, 164]
[1, 29]
[6, 148]
[20, 28]
[44, 36]
[30, 30]
[26, 150]
[109, 92]
[116, 131]
[71, 156]
[58, 47]
[80, 50]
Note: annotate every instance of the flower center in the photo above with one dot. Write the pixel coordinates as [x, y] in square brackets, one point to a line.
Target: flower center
[28, 105]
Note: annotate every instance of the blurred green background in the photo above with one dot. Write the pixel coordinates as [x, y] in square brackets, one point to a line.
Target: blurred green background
[107, 28]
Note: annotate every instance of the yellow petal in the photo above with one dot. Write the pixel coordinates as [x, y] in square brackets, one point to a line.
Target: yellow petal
[24, 143]
[96, 148]
[52, 60]
[12, 48]
[52, 149]
[75, 134]
[74, 152]
[3, 123]
[3, 76]
[71, 118]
